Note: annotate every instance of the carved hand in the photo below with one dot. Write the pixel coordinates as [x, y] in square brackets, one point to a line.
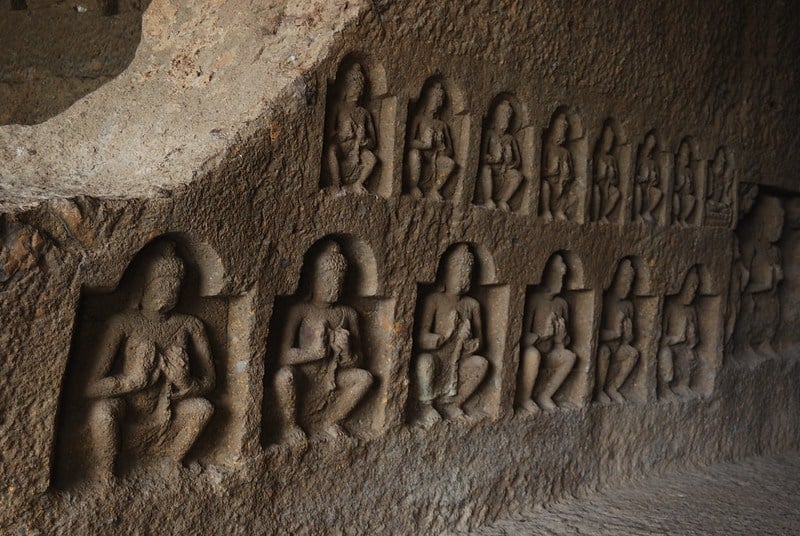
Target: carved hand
[560, 331]
[176, 366]
[471, 345]
[340, 342]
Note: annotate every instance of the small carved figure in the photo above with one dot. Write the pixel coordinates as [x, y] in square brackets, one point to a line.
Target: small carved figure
[153, 400]
[719, 210]
[320, 354]
[351, 139]
[450, 336]
[616, 356]
[605, 192]
[740, 275]
[684, 198]
[761, 303]
[500, 175]
[545, 360]
[559, 173]
[431, 154]
[647, 192]
[677, 356]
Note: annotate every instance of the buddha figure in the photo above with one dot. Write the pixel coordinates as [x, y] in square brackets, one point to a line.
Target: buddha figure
[647, 192]
[684, 198]
[677, 355]
[500, 175]
[559, 172]
[605, 191]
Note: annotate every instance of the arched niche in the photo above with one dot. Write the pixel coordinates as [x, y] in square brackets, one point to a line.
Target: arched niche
[372, 341]
[493, 299]
[544, 297]
[573, 201]
[381, 108]
[652, 176]
[96, 354]
[690, 307]
[418, 163]
[507, 188]
[611, 157]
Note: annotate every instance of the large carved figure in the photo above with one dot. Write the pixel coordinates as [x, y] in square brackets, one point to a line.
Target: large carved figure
[677, 355]
[558, 174]
[616, 356]
[605, 190]
[545, 357]
[760, 252]
[740, 276]
[500, 175]
[719, 199]
[431, 154]
[351, 136]
[647, 193]
[684, 197]
[152, 399]
[450, 336]
[320, 382]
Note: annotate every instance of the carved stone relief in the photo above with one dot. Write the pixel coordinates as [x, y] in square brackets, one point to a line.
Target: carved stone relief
[564, 155]
[21, 247]
[144, 370]
[330, 356]
[790, 287]
[758, 235]
[721, 189]
[611, 175]
[359, 130]
[455, 342]
[502, 181]
[433, 162]
[650, 181]
[687, 185]
[556, 335]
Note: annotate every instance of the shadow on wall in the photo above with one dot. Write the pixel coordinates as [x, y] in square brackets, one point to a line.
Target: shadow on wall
[53, 53]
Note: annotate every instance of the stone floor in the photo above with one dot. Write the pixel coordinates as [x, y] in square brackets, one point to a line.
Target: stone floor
[758, 496]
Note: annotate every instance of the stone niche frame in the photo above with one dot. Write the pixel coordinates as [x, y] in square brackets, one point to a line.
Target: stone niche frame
[709, 304]
[203, 296]
[455, 112]
[577, 389]
[623, 153]
[382, 105]
[666, 167]
[493, 297]
[578, 146]
[525, 134]
[362, 288]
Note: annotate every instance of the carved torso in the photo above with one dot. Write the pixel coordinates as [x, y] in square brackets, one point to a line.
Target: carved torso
[558, 164]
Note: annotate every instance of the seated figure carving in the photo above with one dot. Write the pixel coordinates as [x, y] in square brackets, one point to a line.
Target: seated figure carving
[616, 357]
[449, 338]
[351, 139]
[500, 175]
[605, 192]
[684, 198]
[719, 209]
[431, 155]
[155, 403]
[545, 357]
[677, 355]
[647, 192]
[319, 381]
[559, 172]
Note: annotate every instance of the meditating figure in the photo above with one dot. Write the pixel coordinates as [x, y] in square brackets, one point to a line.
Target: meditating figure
[677, 356]
[684, 198]
[605, 192]
[320, 383]
[500, 175]
[647, 192]
[559, 173]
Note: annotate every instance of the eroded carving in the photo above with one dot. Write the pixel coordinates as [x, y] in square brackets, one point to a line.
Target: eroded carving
[320, 382]
[680, 338]
[501, 161]
[606, 193]
[647, 191]
[21, 249]
[449, 339]
[430, 159]
[351, 137]
[684, 194]
[740, 276]
[154, 367]
[617, 356]
[721, 184]
[558, 171]
[546, 357]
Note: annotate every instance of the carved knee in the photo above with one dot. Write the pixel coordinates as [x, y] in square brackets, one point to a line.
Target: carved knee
[107, 413]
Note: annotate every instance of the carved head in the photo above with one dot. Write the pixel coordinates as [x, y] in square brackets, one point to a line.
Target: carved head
[719, 163]
[458, 270]
[649, 145]
[555, 273]
[436, 96]
[607, 139]
[330, 271]
[691, 284]
[163, 280]
[354, 83]
[502, 116]
[558, 129]
[684, 155]
[623, 281]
